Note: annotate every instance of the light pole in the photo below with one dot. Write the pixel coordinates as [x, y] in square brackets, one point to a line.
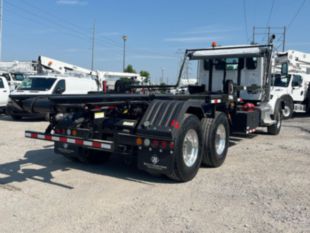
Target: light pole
[125, 38]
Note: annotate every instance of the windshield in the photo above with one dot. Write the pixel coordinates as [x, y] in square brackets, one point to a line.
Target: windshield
[18, 77]
[279, 80]
[37, 84]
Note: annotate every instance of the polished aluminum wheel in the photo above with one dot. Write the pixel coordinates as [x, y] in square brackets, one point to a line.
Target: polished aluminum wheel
[220, 139]
[190, 148]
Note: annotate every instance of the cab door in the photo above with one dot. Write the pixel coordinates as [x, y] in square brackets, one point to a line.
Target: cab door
[4, 92]
[298, 89]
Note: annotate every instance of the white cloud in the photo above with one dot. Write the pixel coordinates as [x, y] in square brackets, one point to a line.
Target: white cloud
[191, 39]
[72, 2]
[212, 29]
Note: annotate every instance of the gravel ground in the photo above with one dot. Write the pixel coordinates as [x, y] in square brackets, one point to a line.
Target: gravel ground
[264, 186]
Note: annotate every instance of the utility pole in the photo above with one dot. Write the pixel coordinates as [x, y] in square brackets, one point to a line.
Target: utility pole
[1, 23]
[284, 39]
[125, 38]
[93, 47]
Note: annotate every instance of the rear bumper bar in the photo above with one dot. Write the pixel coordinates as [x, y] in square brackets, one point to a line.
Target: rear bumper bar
[95, 144]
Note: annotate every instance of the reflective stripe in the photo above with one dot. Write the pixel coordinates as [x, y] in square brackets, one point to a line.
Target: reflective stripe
[41, 136]
[94, 144]
[106, 146]
[56, 139]
[87, 143]
[69, 140]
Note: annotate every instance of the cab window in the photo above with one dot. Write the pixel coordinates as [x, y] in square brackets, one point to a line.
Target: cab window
[232, 63]
[297, 81]
[1, 83]
[284, 68]
[229, 64]
[60, 87]
[251, 63]
[207, 64]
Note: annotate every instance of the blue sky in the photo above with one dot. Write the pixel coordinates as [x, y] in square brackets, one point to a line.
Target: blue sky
[158, 31]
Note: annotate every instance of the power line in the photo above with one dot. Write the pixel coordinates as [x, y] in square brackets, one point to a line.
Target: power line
[72, 25]
[296, 14]
[32, 13]
[57, 23]
[67, 23]
[270, 12]
[245, 21]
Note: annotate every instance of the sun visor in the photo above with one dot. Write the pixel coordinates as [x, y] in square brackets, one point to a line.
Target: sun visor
[229, 52]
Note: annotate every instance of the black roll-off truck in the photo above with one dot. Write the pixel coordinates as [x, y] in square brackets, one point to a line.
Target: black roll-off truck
[169, 134]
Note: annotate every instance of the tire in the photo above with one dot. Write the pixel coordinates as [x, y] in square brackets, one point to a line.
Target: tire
[288, 107]
[188, 139]
[275, 128]
[118, 87]
[16, 118]
[215, 155]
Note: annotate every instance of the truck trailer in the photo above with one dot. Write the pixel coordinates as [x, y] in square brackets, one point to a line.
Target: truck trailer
[169, 134]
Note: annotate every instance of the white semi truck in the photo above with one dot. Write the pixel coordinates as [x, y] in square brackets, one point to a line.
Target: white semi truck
[291, 80]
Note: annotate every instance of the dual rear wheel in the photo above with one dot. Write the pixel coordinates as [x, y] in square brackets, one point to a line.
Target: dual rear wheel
[199, 143]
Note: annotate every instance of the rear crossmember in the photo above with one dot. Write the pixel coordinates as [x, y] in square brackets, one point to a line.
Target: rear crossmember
[95, 144]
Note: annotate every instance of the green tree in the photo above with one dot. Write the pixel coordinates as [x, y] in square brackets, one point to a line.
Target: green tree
[145, 74]
[130, 69]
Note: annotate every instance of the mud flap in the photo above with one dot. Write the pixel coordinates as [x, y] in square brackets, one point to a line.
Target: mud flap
[155, 161]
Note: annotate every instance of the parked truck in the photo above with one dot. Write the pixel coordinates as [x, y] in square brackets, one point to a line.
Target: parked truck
[170, 134]
[46, 85]
[108, 81]
[4, 93]
[291, 82]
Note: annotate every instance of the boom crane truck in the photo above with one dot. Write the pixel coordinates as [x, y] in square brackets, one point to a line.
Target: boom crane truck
[107, 80]
[291, 82]
[169, 134]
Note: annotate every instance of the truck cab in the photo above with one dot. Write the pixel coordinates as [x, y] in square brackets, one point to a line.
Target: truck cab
[293, 89]
[13, 79]
[291, 78]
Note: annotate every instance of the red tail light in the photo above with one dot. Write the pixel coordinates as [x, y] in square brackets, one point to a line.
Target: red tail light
[175, 124]
[59, 131]
[155, 143]
[171, 145]
[163, 144]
